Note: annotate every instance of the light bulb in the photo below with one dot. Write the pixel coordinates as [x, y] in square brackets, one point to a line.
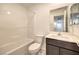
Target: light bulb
[8, 12]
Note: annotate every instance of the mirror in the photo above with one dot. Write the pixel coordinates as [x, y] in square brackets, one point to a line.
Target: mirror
[59, 23]
[73, 19]
[74, 15]
[58, 20]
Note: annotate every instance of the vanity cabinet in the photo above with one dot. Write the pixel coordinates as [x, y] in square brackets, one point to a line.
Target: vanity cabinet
[67, 52]
[58, 47]
[52, 50]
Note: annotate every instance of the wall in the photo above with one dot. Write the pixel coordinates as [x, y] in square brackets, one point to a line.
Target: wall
[30, 24]
[42, 17]
[13, 23]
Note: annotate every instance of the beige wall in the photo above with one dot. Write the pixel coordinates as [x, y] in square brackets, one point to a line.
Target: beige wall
[30, 24]
[13, 23]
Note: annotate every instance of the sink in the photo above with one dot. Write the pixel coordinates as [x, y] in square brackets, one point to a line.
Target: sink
[63, 36]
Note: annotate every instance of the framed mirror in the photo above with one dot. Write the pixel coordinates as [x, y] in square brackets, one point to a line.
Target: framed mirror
[58, 20]
[74, 14]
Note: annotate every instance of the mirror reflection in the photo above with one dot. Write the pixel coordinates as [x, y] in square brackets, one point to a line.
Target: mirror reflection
[74, 15]
[58, 19]
[59, 23]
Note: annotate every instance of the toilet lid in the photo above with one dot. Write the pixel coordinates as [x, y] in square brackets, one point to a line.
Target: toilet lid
[34, 46]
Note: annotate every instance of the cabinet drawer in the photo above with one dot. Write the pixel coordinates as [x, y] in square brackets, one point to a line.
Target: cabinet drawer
[63, 44]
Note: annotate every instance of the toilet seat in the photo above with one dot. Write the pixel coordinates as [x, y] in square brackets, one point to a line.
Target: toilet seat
[34, 48]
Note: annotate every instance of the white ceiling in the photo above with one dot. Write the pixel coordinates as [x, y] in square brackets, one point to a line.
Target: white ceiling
[34, 4]
[49, 6]
[29, 4]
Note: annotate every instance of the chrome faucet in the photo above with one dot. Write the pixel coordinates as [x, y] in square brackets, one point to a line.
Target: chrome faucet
[59, 33]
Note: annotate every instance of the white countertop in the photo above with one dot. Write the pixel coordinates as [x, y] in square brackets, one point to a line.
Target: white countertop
[64, 36]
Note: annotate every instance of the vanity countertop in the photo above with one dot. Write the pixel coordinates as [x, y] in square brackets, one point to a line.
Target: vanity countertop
[64, 36]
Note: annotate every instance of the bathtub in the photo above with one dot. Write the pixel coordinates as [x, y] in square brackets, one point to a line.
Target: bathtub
[15, 48]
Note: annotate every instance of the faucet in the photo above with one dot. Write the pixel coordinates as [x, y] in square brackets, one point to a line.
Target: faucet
[59, 34]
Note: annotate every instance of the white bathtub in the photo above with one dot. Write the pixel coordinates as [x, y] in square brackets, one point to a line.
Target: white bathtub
[14, 48]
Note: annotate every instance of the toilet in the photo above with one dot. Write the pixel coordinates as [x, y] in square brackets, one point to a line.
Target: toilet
[35, 47]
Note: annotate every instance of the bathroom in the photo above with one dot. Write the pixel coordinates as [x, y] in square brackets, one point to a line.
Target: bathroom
[32, 28]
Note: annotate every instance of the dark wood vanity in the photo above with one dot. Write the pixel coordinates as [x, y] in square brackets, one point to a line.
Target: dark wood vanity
[59, 47]
[66, 20]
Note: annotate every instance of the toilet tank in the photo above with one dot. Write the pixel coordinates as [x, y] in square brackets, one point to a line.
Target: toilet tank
[41, 39]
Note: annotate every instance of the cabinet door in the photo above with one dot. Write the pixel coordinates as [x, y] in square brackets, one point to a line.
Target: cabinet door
[52, 50]
[67, 52]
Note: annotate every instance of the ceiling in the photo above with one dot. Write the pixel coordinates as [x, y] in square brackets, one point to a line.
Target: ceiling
[33, 4]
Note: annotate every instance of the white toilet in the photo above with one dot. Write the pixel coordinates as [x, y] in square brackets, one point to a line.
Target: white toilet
[34, 48]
